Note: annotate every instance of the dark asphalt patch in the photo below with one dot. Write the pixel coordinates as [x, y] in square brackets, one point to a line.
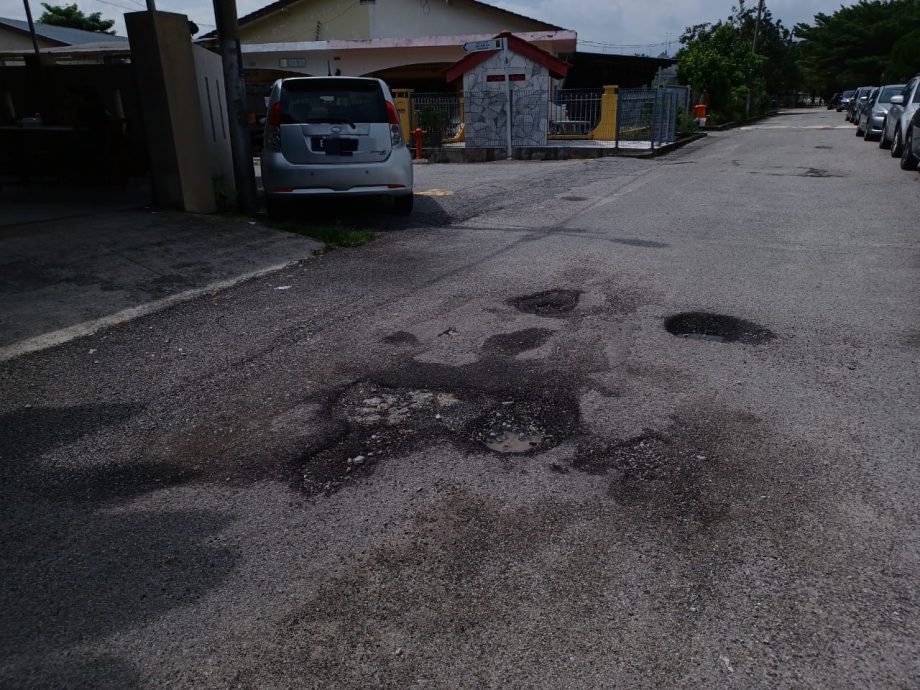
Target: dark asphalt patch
[518, 341]
[818, 172]
[648, 244]
[400, 338]
[716, 327]
[550, 303]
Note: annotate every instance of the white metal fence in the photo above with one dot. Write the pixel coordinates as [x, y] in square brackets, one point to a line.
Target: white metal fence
[634, 117]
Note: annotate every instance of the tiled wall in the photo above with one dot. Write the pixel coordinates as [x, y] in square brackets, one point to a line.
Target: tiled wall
[485, 112]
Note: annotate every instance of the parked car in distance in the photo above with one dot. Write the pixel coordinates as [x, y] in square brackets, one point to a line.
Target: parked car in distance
[862, 107]
[910, 153]
[861, 94]
[872, 119]
[844, 100]
[898, 116]
[334, 137]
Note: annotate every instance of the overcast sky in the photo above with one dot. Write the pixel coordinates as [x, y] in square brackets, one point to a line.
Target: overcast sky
[616, 22]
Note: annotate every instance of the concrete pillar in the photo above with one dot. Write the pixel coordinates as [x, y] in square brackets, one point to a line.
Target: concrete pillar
[164, 69]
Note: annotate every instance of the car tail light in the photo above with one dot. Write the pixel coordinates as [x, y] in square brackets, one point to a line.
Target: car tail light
[274, 126]
[395, 130]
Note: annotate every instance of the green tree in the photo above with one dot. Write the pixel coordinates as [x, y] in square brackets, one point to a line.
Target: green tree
[73, 17]
[719, 58]
[869, 42]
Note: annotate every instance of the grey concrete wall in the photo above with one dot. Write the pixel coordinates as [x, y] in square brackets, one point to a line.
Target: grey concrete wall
[210, 76]
[164, 66]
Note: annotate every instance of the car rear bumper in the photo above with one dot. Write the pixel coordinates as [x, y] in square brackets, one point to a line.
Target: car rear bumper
[392, 177]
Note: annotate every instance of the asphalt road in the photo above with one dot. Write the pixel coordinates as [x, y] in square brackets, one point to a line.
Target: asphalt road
[178, 506]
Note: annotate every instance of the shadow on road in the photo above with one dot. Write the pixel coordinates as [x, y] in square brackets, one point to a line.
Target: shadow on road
[79, 566]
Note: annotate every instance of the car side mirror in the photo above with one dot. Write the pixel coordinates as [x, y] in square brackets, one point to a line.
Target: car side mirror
[897, 100]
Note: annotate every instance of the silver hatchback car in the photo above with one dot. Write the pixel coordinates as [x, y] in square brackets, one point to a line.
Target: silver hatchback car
[898, 116]
[334, 136]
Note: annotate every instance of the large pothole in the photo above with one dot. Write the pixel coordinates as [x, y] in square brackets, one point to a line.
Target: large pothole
[697, 325]
[551, 303]
[376, 422]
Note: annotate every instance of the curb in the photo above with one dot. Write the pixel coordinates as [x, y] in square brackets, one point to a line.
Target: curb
[674, 145]
[80, 330]
[550, 153]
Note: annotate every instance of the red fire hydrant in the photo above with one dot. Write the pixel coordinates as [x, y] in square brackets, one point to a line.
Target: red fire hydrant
[419, 136]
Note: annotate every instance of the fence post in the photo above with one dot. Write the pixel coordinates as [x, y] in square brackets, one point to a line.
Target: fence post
[505, 56]
[618, 120]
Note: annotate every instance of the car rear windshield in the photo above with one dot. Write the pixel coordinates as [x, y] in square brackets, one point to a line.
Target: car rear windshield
[332, 100]
[847, 94]
[888, 92]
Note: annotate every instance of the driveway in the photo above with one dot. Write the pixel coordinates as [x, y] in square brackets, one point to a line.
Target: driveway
[322, 486]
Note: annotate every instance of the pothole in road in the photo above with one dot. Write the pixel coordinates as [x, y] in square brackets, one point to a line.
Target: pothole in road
[823, 147]
[377, 422]
[548, 303]
[518, 341]
[523, 426]
[574, 198]
[716, 328]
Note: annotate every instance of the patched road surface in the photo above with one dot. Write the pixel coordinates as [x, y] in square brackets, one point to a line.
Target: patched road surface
[616, 423]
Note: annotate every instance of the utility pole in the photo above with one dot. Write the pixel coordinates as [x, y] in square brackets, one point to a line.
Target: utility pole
[31, 27]
[228, 36]
[757, 25]
[747, 107]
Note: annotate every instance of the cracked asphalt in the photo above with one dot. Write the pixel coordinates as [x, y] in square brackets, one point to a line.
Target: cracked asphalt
[184, 505]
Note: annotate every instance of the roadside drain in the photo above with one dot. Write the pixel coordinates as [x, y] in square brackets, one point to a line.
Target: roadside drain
[716, 328]
[550, 303]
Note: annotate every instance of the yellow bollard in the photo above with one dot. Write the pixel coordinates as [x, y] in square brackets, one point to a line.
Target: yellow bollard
[606, 129]
[403, 98]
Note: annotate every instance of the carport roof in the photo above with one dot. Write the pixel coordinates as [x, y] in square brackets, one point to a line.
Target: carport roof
[61, 34]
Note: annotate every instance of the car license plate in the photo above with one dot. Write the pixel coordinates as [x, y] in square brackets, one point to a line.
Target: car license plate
[336, 146]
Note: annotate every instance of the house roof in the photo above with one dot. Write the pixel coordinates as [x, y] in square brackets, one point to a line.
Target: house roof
[279, 5]
[60, 34]
[558, 68]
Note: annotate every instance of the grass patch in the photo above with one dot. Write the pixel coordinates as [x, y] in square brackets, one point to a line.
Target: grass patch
[333, 236]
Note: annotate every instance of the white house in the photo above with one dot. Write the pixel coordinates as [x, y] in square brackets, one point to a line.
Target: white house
[410, 43]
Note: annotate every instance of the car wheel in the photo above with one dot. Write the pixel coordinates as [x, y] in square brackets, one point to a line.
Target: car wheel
[403, 204]
[859, 129]
[908, 159]
[896, 143]
[867, 135]
[883, 142]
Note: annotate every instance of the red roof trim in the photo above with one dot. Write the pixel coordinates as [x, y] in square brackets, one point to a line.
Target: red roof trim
[557, 68]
